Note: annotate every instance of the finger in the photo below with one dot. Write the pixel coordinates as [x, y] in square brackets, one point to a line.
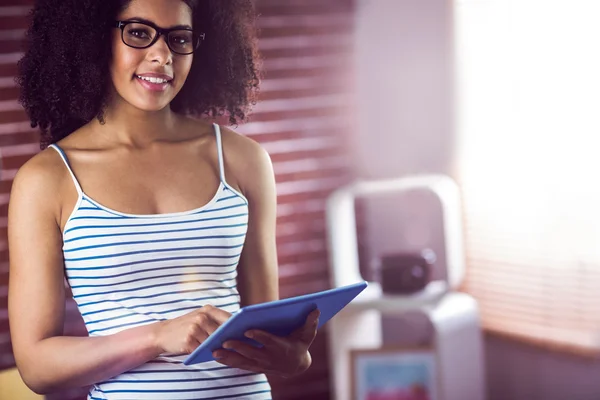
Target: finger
[308, 331]
[235, 360]
[264, 338]
[231, 359]
[218, 315]
[250, 352]
[312, 320]
[306, 334]
[313, 317]
[207, 326]
[190, 343]
[245, 367]
[191, 337]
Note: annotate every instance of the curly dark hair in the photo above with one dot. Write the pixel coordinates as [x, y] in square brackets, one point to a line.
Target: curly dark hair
[64, 74]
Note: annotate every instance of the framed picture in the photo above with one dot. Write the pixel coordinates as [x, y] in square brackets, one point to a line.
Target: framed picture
[394, 374]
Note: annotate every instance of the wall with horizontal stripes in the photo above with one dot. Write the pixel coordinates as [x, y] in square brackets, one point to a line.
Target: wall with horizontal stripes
[303, 119]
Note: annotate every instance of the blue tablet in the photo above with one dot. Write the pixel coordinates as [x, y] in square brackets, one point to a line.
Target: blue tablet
[280, 317]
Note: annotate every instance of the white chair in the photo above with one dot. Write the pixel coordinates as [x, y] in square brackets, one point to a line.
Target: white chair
[454, 316]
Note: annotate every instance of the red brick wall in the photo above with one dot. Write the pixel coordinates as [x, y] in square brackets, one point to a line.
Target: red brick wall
[303, 119]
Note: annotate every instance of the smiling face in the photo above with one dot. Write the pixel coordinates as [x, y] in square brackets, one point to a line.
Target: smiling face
[138, 74]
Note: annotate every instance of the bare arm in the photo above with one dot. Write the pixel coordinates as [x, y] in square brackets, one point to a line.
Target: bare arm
[46, 359]
[36, 298]
[257, 271]
[252, 169]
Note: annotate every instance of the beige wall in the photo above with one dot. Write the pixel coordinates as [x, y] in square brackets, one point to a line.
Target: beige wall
[406, 126]
[13, 388]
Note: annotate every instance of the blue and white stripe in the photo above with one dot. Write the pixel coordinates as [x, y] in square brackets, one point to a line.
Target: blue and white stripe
[128, 270]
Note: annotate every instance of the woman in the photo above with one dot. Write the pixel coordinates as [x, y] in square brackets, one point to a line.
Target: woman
[161, 223]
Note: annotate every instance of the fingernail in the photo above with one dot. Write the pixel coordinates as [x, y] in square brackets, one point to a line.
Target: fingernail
[226, 345]
[249, 334]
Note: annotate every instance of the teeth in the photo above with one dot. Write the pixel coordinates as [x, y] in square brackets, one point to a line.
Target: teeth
[152, 79]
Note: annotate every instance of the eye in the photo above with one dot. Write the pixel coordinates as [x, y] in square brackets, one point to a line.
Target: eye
[139, 33]
[180, 40]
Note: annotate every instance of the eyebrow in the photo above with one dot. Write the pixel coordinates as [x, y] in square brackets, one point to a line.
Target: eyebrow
[146, 21]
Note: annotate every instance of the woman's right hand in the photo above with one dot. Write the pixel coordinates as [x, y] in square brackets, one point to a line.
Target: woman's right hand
[182, 335]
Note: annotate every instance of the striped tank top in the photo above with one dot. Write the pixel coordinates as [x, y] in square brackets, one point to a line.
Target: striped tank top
[128, 270]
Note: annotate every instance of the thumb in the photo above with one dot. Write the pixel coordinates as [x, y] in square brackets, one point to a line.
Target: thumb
[309, 330]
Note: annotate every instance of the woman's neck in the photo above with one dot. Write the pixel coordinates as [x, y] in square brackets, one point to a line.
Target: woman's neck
[136, 128]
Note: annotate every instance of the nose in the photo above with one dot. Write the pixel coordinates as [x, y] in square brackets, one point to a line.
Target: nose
[160, 52]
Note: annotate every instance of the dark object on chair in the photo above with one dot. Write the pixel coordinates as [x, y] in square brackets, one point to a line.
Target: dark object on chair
[405, 273]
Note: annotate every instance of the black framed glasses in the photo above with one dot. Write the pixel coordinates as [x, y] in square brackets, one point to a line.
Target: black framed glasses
[141, 35]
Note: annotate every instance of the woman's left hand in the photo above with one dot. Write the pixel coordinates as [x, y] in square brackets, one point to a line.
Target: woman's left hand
[283, 356]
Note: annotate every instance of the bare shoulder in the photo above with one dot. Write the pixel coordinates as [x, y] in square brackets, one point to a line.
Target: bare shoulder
[243, 150]
[248, 166]
[45, 170]
[39, 180]
[246, 159]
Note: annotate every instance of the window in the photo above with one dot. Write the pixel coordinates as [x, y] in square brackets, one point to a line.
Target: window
[528, 161]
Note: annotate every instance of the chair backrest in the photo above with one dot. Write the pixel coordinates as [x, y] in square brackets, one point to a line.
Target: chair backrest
[12, 387]
[341, 225]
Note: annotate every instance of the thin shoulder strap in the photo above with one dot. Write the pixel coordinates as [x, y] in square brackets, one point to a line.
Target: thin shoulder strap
[220, 152]
[66, 161]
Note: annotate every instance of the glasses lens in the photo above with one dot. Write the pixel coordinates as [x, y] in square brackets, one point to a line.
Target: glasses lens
[182, 41]
[138, 35]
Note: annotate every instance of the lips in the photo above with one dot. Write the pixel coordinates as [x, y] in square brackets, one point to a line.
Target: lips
[153, 86]
[155, 78]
